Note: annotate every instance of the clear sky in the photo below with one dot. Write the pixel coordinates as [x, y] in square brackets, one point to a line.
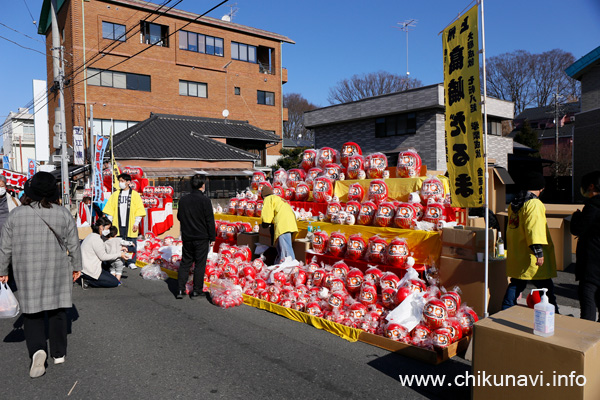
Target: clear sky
[336, 39]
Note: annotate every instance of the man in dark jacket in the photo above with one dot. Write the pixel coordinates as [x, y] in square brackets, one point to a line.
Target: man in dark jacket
[586, 226]
[197, 220]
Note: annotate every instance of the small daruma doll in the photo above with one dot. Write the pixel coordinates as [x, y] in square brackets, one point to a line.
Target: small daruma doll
[367, 213]
[302, 191]
[233, 206]
[376, 165]
[280, 177]
[356, 247]
[257, 177]
[260, 186]
[355, 165]
[435, 313]
[333, 207]
[326, 155]
[376, 250]
[323, 189]
[406, 216]
[432, 188]
[356, 192]
[319, 241]
[397, 252]
[313, 174]
[378, 191]
[384, 215]
[258, 210]
[309, 158]
[337, 244]
[241, 206]
[332, 171]
[409, 164]
[250, 208]
[295, 176]
[349, 149]
[434, 213]
[353, 207]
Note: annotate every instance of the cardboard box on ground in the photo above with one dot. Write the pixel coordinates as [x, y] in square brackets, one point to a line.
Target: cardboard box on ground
[466, 242]
[504, 345]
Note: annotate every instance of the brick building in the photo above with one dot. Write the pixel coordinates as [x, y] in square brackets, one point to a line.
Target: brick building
[413, 118]
[193, 66]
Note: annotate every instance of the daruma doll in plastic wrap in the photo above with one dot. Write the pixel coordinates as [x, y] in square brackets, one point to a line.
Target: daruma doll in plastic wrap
[322, 189]
[435, 313]
[356, 192]
[309, 159]
[353, 207]
[280, 177]
[302, 191]
[367, 213]
[435, 212]
[257, 177]
[406, 216]
[289, 193]
[313, 174]
[261, 184]
[279, 191]
[376, 165]
[378, 191]
[332, 171]
[259, 206]
[250, 208]
[355, 165]
[384, 215]
[337, 244]
[326, 155]
[409, 164]
[349, 149]
[233, 206]
[432, 188]
[319, 241]
[231, 233]
[241, 206]
[148, 191]
[397, 252]
[356, 247]
[294, 176]
[376, 250]
[333, 207]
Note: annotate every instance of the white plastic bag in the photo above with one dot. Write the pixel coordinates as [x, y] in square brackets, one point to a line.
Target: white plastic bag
[152, 272]
[9, 306]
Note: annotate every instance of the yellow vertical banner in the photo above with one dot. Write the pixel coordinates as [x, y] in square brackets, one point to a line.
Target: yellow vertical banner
[464, 127]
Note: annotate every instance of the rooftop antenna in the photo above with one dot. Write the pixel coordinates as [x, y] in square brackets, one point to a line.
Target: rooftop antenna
[232, 11]
[406, 26]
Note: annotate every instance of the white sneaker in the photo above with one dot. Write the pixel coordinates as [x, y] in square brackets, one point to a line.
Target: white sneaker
[132, 266]
[37, 364]
[59, 360]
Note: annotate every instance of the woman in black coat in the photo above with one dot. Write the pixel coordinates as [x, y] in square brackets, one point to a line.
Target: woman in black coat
[586, 226]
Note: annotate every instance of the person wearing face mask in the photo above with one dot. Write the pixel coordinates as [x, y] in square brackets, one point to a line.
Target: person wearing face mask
[93, 253]
[125, 210]
[7, 202]
[585, 224]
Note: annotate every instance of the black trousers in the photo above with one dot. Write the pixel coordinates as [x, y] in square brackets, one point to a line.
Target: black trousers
[516, 287]
[35, 332]
[589, 300]
[193, 252]
[130, 249]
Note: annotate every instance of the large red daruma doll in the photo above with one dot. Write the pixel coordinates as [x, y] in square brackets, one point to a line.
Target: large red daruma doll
[435, 313]
[326, 155]
[355, 165]
[250, 208]
[260, 186]
[332, 171]
[322, 189]
[376, 249]
[367, 213]
[295, 176]
[289, 193]
[349, 149]
[337, 244]
[353, 207]
[432, 188]
[302, 191]
[257, 177]
[313, 174]
[332, 208]
[231, 233]
[378, 191]
[319, 241]
[279, 191]
[356, 192]
[259, 206]
[397, 252]
[409, 164]
[376, 165]
[434, 213]
[384, 215]
[356, 247]
[309, 159]
[280, 177]
[233, 206]
[406, 216]
[241, 207]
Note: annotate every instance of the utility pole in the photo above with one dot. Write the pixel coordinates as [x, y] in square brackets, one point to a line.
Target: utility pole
[556, 122]
[59, 115]
[406, 26]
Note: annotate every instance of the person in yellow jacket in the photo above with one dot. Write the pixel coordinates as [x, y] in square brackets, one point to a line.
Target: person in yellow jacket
[125, 210]
[530, 249]
[279, 213]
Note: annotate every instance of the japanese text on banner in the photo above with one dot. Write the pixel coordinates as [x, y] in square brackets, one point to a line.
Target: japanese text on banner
[464, 128]
[78, 146]
[101, 143]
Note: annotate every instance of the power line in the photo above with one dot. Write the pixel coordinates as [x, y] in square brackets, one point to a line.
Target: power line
[32, 19]
[24, 34]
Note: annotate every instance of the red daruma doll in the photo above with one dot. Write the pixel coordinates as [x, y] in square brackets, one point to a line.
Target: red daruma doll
[294, 176]
[409, 164]
[356, 192]
[280, 177]
[259, 206]
[233, 206]
[326, 155]
[376, 165]
[432, 188]
[332, 208]
[384, 215]
[323, 189]
[356, 247]
[312, 174]
[367, 213]
[434, 213]
[349, 149]
[302, 191]
[378, 191]
[257, 177]
[241, 206]
[250, 208]
[279, 191]
[353, 207]
[376, 250]
[309, 158]
[261, 184]
[355, 165]
[289, 193]
[406, 216]
[397, 252]
[337, 244]
[332, 171]
[319, 241]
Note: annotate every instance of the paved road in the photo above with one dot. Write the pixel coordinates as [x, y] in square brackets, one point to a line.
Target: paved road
[137, 341]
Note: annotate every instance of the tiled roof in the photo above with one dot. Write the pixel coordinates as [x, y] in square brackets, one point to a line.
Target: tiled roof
[287, 142]
[547, 112]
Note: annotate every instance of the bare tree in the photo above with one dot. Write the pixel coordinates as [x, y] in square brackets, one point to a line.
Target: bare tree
[368, 85]
[549, 76]
[294, 128]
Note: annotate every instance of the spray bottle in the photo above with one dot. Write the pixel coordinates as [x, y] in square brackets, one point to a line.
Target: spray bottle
[543, 321]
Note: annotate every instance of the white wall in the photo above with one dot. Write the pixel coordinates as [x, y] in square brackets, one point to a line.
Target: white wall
[40, 121]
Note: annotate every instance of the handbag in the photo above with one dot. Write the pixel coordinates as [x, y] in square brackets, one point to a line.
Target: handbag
[9, 306]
